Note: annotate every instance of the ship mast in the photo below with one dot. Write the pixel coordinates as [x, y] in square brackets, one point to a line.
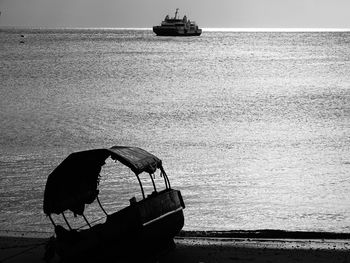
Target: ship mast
[177, 9]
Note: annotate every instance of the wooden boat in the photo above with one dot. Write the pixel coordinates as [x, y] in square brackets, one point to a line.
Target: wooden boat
[144, 227]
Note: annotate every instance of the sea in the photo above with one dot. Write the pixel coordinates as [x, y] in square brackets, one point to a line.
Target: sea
[253, 127]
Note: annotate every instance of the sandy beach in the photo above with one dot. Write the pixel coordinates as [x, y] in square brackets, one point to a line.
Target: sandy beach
[206, 249]
[258, 250]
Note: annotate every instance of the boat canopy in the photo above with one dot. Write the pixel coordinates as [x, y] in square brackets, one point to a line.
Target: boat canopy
[74, 182]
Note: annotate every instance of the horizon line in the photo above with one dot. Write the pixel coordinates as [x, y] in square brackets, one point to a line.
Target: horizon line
[208, 29]
[277, 29]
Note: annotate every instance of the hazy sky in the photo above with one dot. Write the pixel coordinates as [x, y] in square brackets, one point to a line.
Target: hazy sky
[146, 13]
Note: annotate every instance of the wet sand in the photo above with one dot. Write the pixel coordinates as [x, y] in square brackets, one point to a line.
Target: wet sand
[258, 250]
[207, 249]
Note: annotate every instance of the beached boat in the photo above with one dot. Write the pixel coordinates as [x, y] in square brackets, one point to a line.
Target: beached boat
[144, 227]
[177, 27]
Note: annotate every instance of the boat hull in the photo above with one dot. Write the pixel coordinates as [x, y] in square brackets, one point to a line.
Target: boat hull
[175, 31]
[143, 228]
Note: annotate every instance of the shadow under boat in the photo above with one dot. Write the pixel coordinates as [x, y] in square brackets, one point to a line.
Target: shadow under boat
[145, 228]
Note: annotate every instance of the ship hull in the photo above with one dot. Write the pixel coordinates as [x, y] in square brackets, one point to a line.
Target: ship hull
[161, 31]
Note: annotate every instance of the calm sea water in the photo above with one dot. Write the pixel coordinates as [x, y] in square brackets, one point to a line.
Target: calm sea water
[253, 128]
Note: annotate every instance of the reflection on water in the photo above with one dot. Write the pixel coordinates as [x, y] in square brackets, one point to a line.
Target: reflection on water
[253, 128]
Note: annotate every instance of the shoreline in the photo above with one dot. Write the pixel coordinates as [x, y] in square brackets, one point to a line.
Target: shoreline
[266, 233]
[216, 246]
[259, 233]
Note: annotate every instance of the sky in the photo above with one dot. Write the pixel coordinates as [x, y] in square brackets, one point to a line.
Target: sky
[146, 13]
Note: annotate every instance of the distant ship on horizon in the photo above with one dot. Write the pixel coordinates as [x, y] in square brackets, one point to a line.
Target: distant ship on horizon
[177, 27]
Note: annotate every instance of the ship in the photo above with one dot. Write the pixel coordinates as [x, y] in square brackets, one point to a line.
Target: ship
[177, 27]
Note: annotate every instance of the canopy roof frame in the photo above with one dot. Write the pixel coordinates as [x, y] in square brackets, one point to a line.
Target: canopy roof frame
[74, 182]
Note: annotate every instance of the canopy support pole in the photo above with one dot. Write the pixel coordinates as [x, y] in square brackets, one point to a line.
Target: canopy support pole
[154, 185]
[143, 193]
[53, 222]
[99, 203]
[162, 173]
[166, 183]
[87, 222]
[65, 219]
[166, 179]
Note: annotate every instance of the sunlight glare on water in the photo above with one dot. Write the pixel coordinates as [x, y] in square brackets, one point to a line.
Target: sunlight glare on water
[252, 127]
